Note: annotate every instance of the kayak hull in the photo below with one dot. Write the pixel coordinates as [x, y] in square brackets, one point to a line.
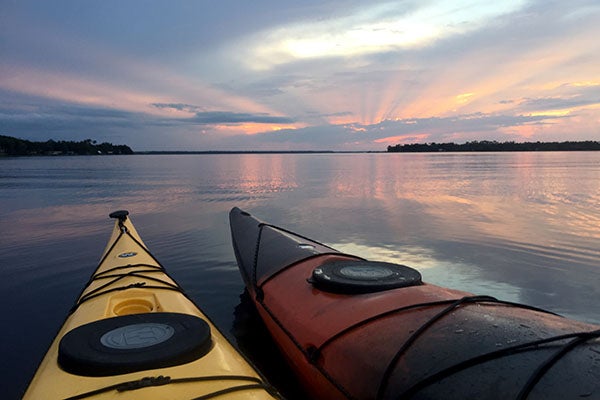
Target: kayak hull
[134, 332]
[414, 341]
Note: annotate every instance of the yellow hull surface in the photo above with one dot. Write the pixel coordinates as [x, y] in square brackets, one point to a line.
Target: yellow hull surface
[134, 334]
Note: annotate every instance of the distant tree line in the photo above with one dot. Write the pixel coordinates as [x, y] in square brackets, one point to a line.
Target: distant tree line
[11, 146]
[486, 145]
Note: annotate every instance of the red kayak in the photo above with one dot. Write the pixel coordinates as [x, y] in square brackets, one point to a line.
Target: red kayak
[357, 329]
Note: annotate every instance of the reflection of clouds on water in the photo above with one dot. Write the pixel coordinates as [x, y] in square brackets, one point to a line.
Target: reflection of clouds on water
[416, 257]
[520, 227]
[556, 277]
[451, 274]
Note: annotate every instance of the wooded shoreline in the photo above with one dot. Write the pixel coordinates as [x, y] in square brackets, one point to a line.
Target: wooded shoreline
[483, 146]
[11, 146]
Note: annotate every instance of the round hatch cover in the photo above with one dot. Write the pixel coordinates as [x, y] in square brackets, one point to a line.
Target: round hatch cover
[137, 336]
[363, 276]
[133, 343]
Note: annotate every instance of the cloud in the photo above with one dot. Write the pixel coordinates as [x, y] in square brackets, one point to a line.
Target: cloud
[373, 28]
[226, 117]
[337, 114]
[221, 117]
[177, 106]
[43, 121]
[344, 72]
[557, 103]
[459, 129]
[40, 119]
[568, 96]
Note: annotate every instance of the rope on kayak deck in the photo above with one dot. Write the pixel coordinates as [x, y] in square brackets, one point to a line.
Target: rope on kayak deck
[262, 225]
[117, 277]
[579, 337]
[104, 289]
[542, 369]
[166, 380]
[412, 338]
[100, 275]
[308, 353]
[366, 321]
[313, 353]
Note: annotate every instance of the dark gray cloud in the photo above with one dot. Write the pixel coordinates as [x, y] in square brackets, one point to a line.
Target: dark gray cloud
[69, 122]
[89, 70]
[226, 117]
[37, 119]
[563, 97]
[172, 32]
[220, 117]
[177, 106]
[335, 114]
[557, 103]
[354, 137]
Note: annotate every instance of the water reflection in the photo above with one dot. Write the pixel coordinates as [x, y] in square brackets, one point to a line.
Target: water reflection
[271, 174]
[453, 273]
[518, 226]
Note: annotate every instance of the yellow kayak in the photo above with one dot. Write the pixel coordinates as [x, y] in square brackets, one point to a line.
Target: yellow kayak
[134, 334]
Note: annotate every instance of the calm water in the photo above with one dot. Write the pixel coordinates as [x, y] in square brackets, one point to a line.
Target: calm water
[519, 226]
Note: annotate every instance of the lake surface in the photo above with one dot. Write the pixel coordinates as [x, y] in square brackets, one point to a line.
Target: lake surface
[523, 227]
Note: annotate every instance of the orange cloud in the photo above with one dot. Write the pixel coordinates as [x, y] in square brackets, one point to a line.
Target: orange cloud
[254, 128]
[415, 137]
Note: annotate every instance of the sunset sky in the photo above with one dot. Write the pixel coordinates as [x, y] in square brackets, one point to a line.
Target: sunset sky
[299, 75]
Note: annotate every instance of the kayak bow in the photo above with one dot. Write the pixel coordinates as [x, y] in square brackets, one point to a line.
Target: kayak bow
[134, 334]
[357, 329]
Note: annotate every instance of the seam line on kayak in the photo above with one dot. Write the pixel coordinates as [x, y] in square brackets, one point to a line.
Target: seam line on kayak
[452, 306]
[254, 277]
[263, 224]
[305, 352]
[255, 262]
[260, 300]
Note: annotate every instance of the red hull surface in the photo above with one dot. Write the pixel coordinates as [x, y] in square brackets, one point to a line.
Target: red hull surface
[370, 339]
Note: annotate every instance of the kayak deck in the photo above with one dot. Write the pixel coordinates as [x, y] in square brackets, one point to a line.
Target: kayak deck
[357, 329]
[148, 339]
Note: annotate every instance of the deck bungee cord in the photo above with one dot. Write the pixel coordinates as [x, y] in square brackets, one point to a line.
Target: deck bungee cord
[134, 331]
[279, 268]
[99, 291]
[313, 353]
[160, 380]
[579, 338]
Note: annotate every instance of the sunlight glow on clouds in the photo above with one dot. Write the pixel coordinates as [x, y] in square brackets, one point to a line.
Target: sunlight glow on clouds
[375, 28]
[318, 75]
[66, 87]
